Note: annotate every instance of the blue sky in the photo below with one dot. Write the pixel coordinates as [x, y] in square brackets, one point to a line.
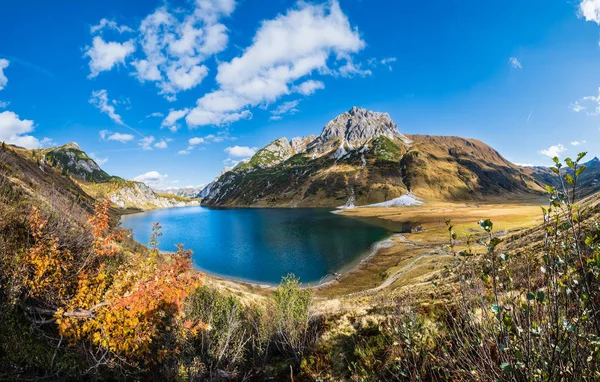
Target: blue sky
[170, 92]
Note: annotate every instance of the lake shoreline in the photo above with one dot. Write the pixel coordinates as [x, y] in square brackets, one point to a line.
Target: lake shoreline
[312, 242]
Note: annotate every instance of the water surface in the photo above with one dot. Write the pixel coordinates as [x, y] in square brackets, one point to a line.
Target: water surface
[261, 245]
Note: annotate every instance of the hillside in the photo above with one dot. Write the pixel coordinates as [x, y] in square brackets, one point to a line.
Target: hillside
[361, 158]
[71, 164]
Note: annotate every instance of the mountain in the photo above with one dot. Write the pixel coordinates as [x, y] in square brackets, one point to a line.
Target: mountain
[361, 158]
[72, 162]
[70, 159]
[186, 192]
[588, 182]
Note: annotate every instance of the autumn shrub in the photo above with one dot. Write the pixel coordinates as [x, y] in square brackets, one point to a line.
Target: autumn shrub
[222, 344]
[294, 327]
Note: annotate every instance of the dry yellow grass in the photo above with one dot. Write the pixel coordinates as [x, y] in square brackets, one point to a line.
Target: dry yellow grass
[415, 258]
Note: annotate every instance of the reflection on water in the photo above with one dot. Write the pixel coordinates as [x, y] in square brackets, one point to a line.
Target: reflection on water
[261, 245]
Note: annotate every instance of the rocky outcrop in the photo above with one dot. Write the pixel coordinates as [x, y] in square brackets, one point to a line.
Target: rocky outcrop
[353, 130]
[72, 160]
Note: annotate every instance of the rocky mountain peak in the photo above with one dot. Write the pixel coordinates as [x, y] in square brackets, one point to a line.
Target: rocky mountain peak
[355, 128]
[593, 162]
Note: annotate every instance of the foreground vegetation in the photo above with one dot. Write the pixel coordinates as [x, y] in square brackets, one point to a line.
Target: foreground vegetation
[80, 299]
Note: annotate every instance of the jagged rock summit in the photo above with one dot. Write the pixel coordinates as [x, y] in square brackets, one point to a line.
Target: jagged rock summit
[361, 158]
[354, 129]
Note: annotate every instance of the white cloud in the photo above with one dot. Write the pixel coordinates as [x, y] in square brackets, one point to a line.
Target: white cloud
[155, 114]
[350, 69]
[147, 142]
[218, 138]
[4, 105]
[525, 164]
[98, 160]
[308, 87]
[553, 151]
[196, 141]
[515, 63]
[47, 142]
[183, 152]
[286, 108]
[284, 50]
[105, 55]
[118, 137]
[240, 151]
[590, 10]
[100, 100]
[14, 130]
[175, 44]
[589, 104]
[576, 107]
[162, 144]
[388, 60]
[111, 24]
[3, 65]
[152, 179]
[577, 143]
[171, 120]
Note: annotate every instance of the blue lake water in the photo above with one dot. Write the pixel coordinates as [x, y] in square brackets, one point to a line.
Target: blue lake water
[261, 245]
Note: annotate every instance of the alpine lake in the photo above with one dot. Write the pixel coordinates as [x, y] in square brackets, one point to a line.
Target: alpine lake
[262, 245]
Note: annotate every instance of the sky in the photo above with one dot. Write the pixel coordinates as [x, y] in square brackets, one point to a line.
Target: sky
[170, 92]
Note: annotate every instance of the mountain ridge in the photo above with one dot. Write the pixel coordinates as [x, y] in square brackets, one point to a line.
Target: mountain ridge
[362, 155]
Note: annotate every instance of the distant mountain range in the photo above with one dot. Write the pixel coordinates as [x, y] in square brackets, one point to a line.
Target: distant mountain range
[361, 158]
[588, 182]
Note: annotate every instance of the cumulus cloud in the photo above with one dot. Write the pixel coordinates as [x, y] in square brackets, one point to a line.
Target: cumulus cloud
[100, 100]
[3, 65]
[172, 118]
[15, 131]
[152, 179]
[106, 55]
[554, 151]
[106, 135]
[240, 151]
[515, 63]
[110, 24]
[196, 141]
[162, 144]
[590, 10]
[577, 143]
[308, 87]
[307, 39]
[175, 45]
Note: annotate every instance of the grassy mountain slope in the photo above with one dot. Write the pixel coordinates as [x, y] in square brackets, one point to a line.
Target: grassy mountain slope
[455, 168]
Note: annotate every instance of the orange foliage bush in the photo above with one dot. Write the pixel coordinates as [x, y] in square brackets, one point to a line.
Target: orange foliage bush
[123, 306]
